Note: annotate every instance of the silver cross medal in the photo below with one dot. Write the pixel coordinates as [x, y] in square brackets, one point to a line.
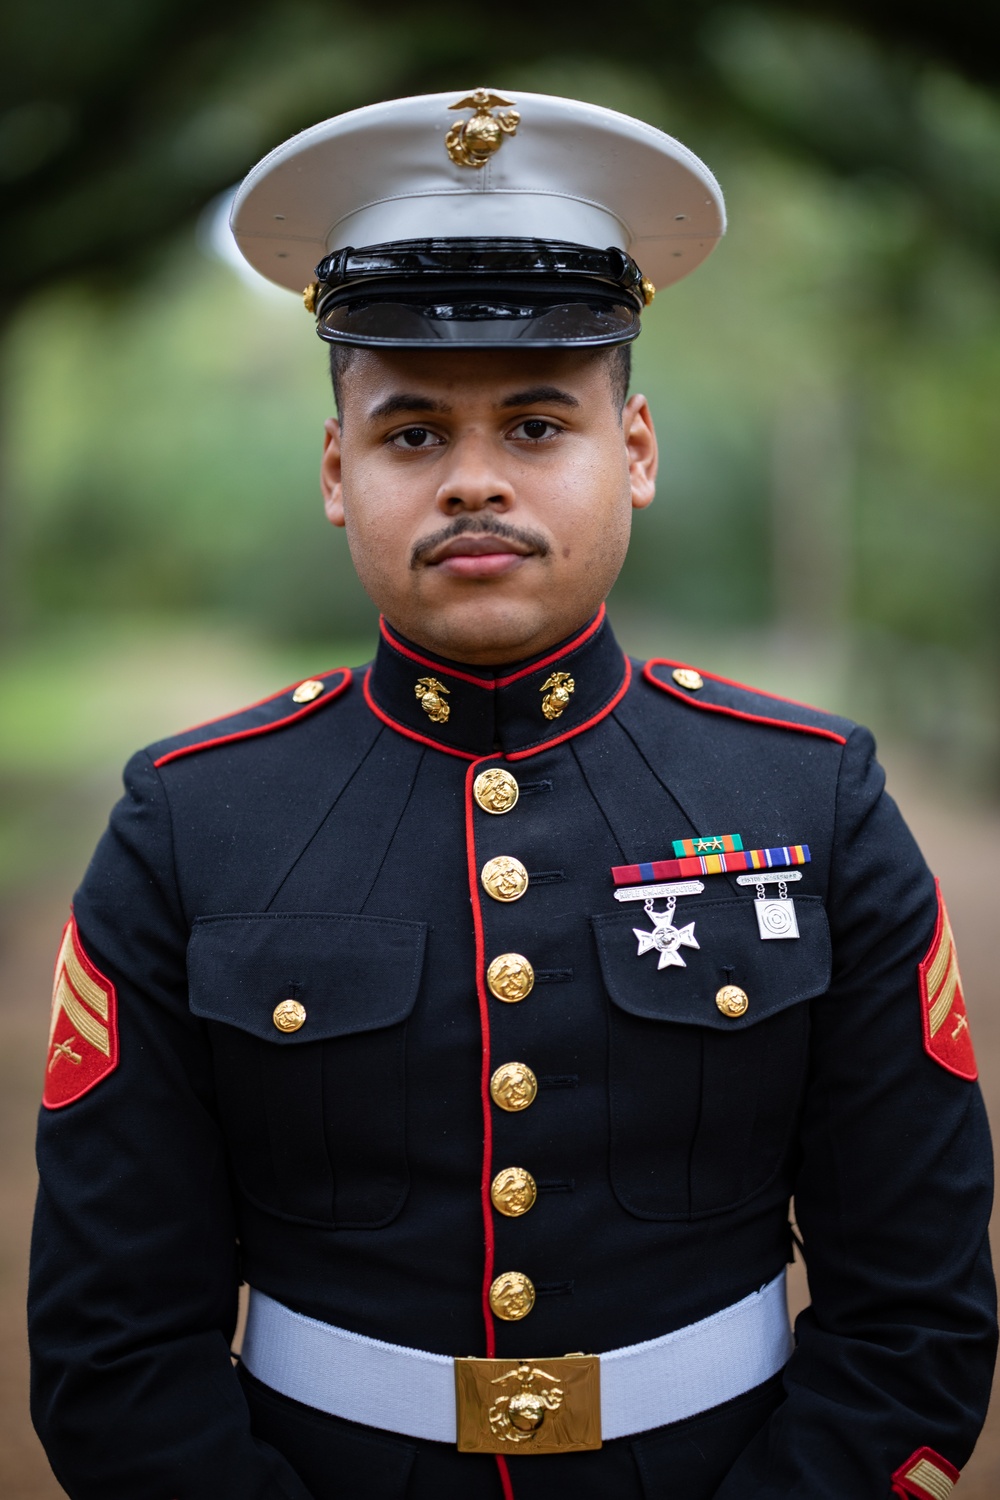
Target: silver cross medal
[665, 938]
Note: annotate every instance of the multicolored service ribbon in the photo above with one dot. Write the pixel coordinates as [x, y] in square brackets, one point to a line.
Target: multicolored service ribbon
[711, 864]
[719, 843]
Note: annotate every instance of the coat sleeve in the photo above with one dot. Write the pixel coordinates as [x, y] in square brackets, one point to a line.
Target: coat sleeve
[893, 1194]
[132, 1301]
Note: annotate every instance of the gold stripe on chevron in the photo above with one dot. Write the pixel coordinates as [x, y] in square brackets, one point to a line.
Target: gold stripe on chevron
[930, 1478]
[85, 1023]
[81, 980]
[942, 958]
[945, 999]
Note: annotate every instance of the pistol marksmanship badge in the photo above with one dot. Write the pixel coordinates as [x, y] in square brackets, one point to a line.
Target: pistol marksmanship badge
[665, 937]
[471, 143]
[557, 690]
[516, 1416]
[429, 693]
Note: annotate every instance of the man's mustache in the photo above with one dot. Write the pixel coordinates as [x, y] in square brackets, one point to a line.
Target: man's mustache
[479, 526]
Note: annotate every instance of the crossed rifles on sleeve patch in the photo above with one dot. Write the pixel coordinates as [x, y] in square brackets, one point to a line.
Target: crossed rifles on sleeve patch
[83, 1035]
[942, 1003]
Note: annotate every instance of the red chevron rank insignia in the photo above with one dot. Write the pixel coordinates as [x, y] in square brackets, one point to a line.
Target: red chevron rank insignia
[942, 1003]
[83, 1036]
[925, 1476]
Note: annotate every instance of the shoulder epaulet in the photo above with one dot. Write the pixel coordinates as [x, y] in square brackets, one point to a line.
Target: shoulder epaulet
[720, 695]
[277, 712]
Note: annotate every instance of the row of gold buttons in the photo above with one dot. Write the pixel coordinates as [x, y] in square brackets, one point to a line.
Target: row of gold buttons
[510, 977]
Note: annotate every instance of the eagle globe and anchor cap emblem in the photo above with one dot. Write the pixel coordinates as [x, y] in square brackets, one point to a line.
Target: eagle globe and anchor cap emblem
[471, 143]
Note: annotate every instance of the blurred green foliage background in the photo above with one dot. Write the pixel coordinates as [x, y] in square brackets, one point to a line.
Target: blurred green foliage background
[828, 523]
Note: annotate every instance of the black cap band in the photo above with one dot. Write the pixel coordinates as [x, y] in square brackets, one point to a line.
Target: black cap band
[479, 293]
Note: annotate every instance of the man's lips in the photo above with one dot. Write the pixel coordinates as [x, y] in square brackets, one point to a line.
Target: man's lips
[478, 556]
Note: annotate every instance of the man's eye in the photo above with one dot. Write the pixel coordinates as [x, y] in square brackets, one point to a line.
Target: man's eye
[534, 429]
[415, 437]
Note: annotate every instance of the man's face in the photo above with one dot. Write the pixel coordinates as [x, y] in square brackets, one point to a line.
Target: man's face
[487, 496]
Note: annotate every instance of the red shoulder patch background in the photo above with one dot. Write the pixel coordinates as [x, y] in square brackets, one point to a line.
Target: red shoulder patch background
[925, 1476]
[942, 1003]
[83, 1036]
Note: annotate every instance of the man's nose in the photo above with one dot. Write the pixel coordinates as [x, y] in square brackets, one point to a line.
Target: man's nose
[473, 480]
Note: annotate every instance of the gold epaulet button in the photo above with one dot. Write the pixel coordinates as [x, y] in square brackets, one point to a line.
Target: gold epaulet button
[306, 692]
[687, 677]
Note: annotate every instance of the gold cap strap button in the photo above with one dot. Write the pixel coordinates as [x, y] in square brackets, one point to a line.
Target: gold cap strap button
[289, 1015]
[306, 692]
[512, 1296]
[513, 1087]
[495, 790]
[732, 1001]
[504, 878]
[513, 1191]
[510, 977]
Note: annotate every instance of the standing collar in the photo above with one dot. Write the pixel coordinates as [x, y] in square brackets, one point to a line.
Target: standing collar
[511, 710]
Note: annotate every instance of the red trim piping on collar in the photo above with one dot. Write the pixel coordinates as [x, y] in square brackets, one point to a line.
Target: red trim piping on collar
[411, 734]
[484, 1082]
[736, 713]
[257, 729]
[498, 682]
[423, 739]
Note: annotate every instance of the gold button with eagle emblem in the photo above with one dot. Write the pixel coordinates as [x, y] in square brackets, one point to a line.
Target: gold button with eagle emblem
[510, 977]
[512, 1296]
[495, 790]
[289, 1015]
[687, 677]
[513, 1191]
[513, 1087]
[732, 1001]
[306, 692]
[504, 878]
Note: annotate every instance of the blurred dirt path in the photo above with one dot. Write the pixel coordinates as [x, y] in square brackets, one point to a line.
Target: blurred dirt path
[962, 844]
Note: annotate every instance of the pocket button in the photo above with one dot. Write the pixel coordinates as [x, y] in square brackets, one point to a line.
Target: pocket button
[732, 1001]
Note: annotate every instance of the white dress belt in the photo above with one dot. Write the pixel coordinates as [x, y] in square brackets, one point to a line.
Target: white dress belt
[412, 1392]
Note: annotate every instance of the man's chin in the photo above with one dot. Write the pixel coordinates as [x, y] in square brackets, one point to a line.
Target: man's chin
[485, 627]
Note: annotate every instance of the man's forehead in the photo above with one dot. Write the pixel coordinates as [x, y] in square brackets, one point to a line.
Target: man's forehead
[452, 377]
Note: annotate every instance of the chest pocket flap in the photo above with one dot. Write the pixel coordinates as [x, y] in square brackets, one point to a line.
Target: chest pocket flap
[774, 973]
[314, 1118]
[350, 973]
[704, 1104]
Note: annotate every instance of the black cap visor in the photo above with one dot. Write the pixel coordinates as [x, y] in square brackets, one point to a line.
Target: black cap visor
[478, 315]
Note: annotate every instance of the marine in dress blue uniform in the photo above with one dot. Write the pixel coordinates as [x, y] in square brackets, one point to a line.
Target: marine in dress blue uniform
[347, 1010]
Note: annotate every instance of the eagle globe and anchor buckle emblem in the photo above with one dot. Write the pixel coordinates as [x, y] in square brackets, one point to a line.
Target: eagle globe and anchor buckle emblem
[472, 142]
[529, 1406]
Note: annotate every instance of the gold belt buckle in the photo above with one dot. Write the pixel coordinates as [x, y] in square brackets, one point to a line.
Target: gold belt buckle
[529, 1406]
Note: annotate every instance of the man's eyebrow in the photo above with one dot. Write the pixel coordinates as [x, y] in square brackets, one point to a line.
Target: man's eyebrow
[407, 401]
[549, 394]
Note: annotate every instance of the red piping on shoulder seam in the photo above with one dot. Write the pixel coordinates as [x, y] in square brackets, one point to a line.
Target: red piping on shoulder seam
[411, 734]
[736, 713]
[257, 729]
[491, 685]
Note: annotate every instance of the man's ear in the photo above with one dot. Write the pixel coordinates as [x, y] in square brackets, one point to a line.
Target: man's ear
[643, 453]
[330, 480]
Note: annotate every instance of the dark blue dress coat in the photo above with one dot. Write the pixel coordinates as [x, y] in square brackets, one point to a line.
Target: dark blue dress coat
[329, 850]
